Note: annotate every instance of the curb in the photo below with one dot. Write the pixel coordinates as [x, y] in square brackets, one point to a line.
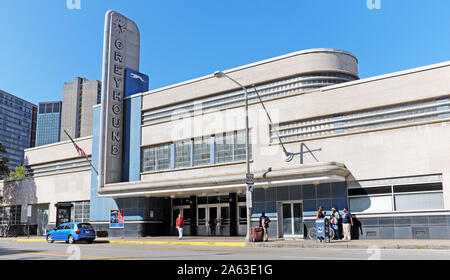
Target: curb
[218, 244]
[354, 246]
[258, 245]
[30, 240]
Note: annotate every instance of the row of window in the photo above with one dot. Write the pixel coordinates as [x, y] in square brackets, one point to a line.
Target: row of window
[15, 100]
[12, 152]
[8, 109]
[47, 108]
[221, 148]
[6, 118]
[62, 166]
[12, 134]
[205, 200]
[236, 98]
[14, 104]
[364, 120]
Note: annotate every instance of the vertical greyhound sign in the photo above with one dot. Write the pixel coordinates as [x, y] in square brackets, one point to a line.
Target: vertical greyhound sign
[120, 52]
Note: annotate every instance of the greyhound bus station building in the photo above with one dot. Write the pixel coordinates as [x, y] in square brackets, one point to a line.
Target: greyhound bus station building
[379, 146]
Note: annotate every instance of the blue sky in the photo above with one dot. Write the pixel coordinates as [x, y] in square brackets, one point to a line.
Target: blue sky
[44, 44]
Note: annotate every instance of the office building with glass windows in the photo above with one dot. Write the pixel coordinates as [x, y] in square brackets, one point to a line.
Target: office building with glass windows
[377, 145]
[17, 127]
[48, 123]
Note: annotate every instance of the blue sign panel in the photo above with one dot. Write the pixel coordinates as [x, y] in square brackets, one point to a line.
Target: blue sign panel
[135, 82]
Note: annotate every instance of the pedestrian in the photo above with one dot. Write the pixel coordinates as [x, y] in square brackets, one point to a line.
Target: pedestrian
[320, 214]
[335, 219]
[264, 223]
[347, 224]
[180, 223]
[212, 226]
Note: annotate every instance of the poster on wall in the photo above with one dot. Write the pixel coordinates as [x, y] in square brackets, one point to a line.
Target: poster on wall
[116, 219]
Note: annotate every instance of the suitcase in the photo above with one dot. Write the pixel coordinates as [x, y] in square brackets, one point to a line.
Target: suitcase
[256, 234]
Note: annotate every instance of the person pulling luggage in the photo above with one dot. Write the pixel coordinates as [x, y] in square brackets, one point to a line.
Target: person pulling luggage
[264, 223]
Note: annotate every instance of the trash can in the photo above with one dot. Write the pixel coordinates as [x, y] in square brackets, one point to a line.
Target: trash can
[256, 234]
[322, 229]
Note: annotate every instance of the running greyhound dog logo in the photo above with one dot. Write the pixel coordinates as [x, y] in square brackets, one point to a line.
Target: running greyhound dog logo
[137, 77]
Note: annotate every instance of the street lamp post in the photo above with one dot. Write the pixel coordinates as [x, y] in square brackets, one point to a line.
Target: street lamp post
[220, 74]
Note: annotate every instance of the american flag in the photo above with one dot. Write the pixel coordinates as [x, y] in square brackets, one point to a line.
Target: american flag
[79, 150]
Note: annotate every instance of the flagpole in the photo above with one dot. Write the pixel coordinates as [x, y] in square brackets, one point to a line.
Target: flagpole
[85, 156]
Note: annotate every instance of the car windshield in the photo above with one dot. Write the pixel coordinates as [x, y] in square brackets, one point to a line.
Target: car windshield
[85, 226]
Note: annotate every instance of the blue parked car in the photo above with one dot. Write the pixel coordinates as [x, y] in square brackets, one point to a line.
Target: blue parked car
[71, 232]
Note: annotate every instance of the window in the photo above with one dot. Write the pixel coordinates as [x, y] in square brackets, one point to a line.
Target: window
[56, 108]
[81, 212]
[187, 216]
[48, 108]
[239, 148]
[156, 158]
[371, 204]
[224, 148]
[183, 154]
[202, 200]
[420, 201]
[413, 197]
[225, 215]
[242, 215]
[10, 215]
[85, 226]
[201, 216]
[202, 153]
[370, 191]
[230, 147]
[418, 188]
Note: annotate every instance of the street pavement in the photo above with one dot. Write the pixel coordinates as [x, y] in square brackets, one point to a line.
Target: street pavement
[273, 243]
[15, 249]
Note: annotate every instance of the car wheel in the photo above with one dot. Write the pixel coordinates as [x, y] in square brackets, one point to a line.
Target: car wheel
[71, 239]
[90, 241]
[50, 238]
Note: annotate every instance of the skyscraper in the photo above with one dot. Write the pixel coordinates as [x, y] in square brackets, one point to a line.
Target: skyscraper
[17, 127]
[48, 123]
[79, 97]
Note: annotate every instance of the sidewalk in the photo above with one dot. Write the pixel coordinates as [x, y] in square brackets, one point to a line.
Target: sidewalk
[240, 242]
[359, 244]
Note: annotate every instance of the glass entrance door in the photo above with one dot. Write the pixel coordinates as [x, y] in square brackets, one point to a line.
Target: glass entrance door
[202, 221]
[185, 212]
[213, 220]
[292, 220]
[42, 219]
